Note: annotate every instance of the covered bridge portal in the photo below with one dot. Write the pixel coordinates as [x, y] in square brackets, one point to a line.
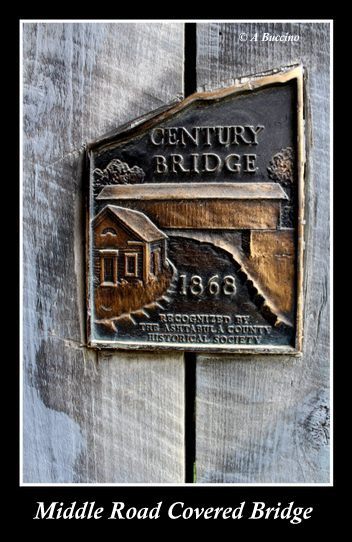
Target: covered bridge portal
[238, 206]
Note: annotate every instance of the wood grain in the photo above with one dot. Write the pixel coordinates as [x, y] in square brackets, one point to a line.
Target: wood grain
[266, 419]
[210, 214]
[272, 263]
[88, 417]
[194, 191]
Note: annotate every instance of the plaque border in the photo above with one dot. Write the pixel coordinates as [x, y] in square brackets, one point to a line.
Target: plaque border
[144, 123]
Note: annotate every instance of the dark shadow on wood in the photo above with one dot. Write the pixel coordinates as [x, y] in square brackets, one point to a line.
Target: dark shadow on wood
[190, 86]
[190, 62]
[190, 416]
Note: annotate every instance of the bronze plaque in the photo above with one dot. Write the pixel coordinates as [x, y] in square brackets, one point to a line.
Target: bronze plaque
[195, 223]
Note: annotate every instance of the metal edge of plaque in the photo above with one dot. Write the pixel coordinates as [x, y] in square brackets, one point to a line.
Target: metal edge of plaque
[147, 121]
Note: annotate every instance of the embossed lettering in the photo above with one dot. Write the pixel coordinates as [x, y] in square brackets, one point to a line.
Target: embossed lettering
[249, 163]
[157, 136]
[239, 135]
[191, 138]
[255, 132]
[208, 157]
[177, 163]
[161, 165]
[232, 162]
[224, 134]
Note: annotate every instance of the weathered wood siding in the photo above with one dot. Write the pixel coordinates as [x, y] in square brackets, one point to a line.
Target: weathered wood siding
[88, 417]
[119, 417]
[266, 419]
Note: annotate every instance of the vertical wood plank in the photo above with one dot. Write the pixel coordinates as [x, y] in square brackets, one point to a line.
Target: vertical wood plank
[262, 419]
[88, 417]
